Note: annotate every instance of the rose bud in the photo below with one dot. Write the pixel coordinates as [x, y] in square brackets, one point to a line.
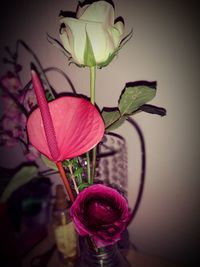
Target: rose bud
[94, 37]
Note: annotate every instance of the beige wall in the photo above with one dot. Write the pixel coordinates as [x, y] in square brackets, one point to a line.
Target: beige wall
[165, 48]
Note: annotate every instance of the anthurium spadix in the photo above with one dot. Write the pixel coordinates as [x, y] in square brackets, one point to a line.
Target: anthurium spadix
[63, 128]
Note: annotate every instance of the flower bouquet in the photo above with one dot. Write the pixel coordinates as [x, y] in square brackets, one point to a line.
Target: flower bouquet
[68, 128]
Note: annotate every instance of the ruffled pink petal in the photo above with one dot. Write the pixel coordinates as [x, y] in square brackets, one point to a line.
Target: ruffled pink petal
[102, 243]
[97, 218]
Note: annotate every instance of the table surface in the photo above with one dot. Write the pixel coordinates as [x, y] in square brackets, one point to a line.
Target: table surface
[135, 258]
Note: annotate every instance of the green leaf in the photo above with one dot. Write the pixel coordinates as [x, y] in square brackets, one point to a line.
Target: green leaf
[78, 175]
[135, 96]
[75, 162]
[50, 164]
[79, 179]
[83, 186]
[23, 176]
[66, 163]
[110, 116]
[116, 124]
[89, 59]
[48, 95]
[112, 119]
[154, 110]
[78, 171]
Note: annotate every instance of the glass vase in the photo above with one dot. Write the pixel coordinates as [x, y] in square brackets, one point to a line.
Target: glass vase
[112, 163]
[109, 256]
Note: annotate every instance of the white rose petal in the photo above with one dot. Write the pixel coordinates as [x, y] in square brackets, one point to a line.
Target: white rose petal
[77, 28]
[67, 39]
[100, 41]
[115, 36]
[100, 11]
[120, 26]
[81, 10]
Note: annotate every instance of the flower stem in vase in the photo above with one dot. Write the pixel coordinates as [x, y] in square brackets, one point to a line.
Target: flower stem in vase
[92, 84]
[88, 168]
[94, 156]
[92, 100]
[65, 181]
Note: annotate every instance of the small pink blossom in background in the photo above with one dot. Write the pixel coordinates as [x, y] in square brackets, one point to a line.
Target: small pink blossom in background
[7, 140]
[102, 212]
[12, 87]
[14, 126]
[10, 108]
[11, 82]
[32, 154]
[13, 121]
[13, 129]
[29, 99]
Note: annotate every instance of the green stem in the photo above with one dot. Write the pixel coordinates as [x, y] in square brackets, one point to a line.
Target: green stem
[88, 168]
[94, 156]
[92, 84]
[92, 100]
[73, 178]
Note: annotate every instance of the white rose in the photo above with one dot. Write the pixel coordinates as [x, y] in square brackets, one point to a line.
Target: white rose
[92, 38]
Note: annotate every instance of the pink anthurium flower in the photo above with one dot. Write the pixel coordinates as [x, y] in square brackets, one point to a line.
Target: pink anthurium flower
[77, 124]
[63, 128]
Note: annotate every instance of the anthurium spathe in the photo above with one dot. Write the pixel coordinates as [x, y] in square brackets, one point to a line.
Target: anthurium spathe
[63, 128]
[78, 128]
[71, 127]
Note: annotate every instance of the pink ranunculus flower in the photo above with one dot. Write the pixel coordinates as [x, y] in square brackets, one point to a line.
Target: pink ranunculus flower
[102, 212]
